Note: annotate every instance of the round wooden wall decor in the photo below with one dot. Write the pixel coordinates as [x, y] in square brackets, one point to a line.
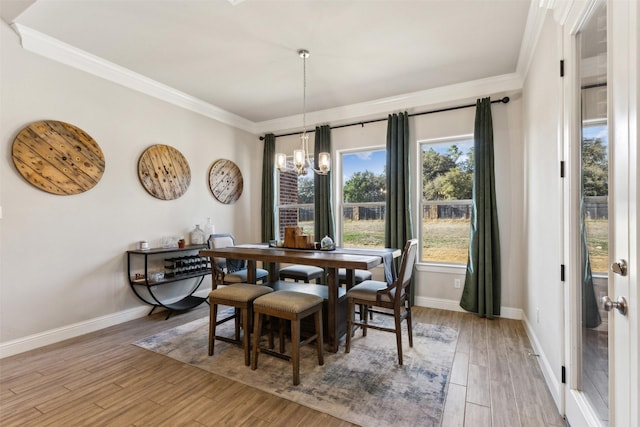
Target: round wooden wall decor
[225, 181]
[57, 157]
[164, 172]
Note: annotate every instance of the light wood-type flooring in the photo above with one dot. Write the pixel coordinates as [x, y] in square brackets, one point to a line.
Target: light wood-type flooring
[101, 379]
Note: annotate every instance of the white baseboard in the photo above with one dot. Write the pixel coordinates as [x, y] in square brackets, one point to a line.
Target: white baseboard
[41, 339]
[52, 336]
[20, 345]
[555, 387]
[453, 305]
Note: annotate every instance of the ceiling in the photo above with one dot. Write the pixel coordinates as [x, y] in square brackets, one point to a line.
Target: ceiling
[240, 56]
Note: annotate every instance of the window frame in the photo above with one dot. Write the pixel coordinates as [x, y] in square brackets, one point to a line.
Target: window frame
[339, 186]
[431, 266]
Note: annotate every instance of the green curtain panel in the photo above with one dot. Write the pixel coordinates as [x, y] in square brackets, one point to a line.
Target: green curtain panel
[397, 220]
[323, 210]
[268, 189]
[481, 293]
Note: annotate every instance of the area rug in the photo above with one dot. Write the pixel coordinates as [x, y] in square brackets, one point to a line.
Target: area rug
[365, 387]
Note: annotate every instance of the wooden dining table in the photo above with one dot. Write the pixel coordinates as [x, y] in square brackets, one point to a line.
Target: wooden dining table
[349, 259]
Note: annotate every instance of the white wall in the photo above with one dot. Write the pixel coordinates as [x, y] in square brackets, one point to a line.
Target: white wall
[62, 258]
[543, 300]
[434, 285]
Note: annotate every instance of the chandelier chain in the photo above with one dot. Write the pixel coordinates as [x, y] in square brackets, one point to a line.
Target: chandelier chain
[304, 54]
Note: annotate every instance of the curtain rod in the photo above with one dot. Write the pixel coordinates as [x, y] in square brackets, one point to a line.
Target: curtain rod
[504, 100]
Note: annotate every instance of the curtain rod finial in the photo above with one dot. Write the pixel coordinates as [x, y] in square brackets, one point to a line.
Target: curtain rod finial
[505, 100]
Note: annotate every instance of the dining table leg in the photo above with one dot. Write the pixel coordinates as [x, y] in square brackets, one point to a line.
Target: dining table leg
[251, 271]
[350, 278]
[332, 309]
[274, 271]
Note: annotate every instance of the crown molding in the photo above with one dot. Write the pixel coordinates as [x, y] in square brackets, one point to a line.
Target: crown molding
[64, 53]
[506, 83]
[533, 28]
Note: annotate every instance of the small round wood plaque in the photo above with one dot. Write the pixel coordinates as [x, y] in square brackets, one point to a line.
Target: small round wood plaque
[58, 158]
[164, 172]
[225, 181]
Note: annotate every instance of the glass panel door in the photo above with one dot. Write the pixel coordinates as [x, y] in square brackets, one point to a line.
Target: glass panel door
[594, 173]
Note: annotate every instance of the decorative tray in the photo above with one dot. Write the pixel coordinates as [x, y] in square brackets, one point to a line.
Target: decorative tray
[274, 245]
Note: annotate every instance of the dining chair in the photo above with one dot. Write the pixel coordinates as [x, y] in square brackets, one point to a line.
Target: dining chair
[228, 271]
[395, 297]
[359, 276]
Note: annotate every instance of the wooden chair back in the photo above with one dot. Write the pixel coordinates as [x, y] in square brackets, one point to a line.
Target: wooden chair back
[400, 288]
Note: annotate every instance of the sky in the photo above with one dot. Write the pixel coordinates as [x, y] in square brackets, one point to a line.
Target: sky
[596, 131]
[372, 161]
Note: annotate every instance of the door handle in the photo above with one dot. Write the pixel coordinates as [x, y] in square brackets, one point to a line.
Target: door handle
[620, 304]
[619, 267]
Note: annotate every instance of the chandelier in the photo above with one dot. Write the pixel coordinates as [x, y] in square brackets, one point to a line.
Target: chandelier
[302, 156]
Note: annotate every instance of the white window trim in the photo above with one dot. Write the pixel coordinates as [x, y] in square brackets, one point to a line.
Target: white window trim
[430, 266]
[339, 195]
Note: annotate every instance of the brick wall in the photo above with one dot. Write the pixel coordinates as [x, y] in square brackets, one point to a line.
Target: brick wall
[288, 195]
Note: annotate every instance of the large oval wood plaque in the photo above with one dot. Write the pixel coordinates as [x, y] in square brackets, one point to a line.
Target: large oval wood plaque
[164, 172]
[225, 181]
[57, 157]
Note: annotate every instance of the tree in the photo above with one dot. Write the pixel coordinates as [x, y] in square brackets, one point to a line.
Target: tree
[365, 187]
[447, 176]
[456, 185]
[595, 166]
[305, 190]
[435, 164]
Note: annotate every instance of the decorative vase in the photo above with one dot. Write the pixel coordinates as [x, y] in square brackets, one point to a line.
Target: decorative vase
[326, 243]
[197, 236]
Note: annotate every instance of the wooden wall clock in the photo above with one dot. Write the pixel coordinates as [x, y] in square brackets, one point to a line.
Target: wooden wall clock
[225, 181]
[164, 172]
[58, 157]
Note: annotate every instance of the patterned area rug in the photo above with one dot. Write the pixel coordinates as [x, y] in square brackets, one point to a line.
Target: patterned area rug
[365, 387]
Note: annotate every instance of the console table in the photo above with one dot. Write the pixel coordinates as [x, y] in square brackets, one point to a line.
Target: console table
[179, 265]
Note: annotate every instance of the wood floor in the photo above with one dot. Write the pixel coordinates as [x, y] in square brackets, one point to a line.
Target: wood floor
[102, 379]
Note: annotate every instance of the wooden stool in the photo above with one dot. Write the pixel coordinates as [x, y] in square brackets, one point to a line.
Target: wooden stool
[359, 276]
[292, 306]
[306, 273]
[241, 297]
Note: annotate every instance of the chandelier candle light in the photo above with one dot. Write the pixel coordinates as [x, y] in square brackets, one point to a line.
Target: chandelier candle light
[302, 156]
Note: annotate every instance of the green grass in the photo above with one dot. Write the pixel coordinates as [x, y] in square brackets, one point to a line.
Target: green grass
[448, 240]
[598, 244]
[445, 240]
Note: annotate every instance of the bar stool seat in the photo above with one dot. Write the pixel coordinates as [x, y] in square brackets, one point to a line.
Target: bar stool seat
[241, 297]
[293, 306]
[306, 273]
[358, 275]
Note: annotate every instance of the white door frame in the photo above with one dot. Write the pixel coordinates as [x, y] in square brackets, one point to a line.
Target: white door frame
[623, 17]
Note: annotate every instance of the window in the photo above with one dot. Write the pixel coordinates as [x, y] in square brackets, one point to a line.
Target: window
[363, 198]
[295, 200]
[447, 180]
